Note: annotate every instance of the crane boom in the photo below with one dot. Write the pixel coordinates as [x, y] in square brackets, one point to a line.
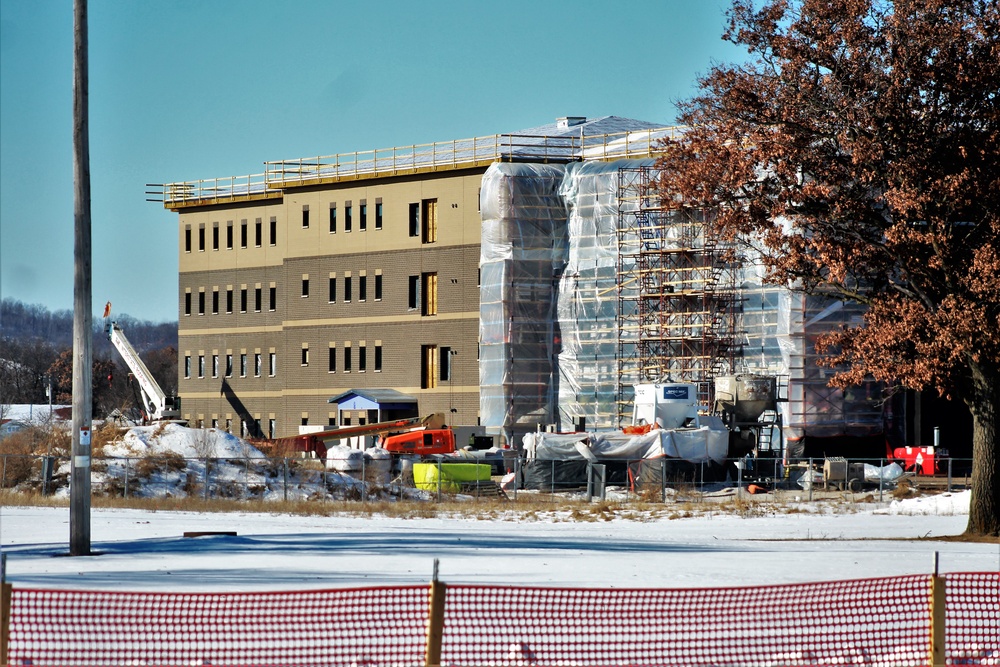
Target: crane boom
[158, 406]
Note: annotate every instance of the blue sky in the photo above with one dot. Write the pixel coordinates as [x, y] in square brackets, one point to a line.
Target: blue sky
[189, 89]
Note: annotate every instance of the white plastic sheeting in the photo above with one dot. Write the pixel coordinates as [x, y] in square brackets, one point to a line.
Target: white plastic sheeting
[697, 445]
[523, 252]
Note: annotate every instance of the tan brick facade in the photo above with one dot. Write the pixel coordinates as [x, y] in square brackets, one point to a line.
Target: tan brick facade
[259, 277]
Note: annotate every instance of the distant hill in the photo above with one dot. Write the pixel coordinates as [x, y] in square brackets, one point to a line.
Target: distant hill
[32, 322]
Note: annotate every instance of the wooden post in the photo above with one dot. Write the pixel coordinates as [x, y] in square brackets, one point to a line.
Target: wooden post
[6, 591]
[79, 498]
[435, 620]
[937, 603]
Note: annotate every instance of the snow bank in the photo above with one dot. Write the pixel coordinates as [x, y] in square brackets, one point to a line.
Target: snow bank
[944, 504]
[189, 443]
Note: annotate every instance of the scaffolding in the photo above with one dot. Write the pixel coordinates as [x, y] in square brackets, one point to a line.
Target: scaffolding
[679, 302]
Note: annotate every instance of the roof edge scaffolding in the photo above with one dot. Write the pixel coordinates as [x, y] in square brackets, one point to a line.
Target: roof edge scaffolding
[547, 144]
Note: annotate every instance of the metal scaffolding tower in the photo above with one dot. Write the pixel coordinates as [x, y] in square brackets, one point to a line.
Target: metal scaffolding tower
[679, 299]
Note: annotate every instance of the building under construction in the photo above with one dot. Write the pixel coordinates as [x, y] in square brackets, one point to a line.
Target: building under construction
[516, 282]
[589, 286]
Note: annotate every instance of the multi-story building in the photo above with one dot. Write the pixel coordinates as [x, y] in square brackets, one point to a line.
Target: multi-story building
[352, 271]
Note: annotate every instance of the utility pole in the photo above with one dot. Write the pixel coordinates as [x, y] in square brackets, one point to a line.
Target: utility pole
[79, 508]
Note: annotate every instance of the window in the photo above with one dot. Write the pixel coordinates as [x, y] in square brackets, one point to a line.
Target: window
[305, 286]
[333, 218]
[273, 231]
[215, 236]
[187, 365]
[256, 364]
[271, 428]
[347, 216]
[229, 425]
[243, 233]
[347, 289]
[378, 358]
[347, 359]
[187, 238]
[215, 365]
[229, 235]
[305, 421]
[415, 219]
[201, 365]
[305, 216]
[362, 287]
[201, 238]
[332, 297]
[229, 300]
[445, 363]
[256, 299]
[428, 366]
[363, 215]
[305, 355]
[187, 303]
[378, 213]
[201, 302]
[378, 286]
[362, 358]
[428, 214]
[229, 365]
[413, 295]
[428, 303]
[243, 365]
[215, 301]
[332, 361]
[272, 364]
[272, 297]
[258, 233]
[243, 300]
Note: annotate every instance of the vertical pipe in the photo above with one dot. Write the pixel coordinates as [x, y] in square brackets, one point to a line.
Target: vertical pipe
[435, 620]
[949, 474]
[812, 479]
[79, 515]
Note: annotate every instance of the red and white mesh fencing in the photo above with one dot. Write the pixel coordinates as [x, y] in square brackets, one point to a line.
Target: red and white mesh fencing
[885, 622]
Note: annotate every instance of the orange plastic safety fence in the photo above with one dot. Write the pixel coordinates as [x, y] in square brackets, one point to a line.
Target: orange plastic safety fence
[972, 619]
[875, 622]
[367, 626]
[850, 622]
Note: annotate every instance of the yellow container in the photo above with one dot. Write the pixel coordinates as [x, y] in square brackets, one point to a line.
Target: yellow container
[453, 475]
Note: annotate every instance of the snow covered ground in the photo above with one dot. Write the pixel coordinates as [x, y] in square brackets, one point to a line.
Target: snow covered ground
[147, 550]
[143, 550]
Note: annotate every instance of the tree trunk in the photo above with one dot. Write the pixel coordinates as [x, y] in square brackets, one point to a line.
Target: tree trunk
[984, 511]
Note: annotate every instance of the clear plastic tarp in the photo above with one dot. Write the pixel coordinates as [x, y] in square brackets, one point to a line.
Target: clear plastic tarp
[551, 302]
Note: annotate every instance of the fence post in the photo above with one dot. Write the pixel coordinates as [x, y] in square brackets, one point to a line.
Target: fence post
[663, 480]
[881, 478]
[206, 479]
[936, 654]
[5, 595]
[949, 474]
[125, 492]
[284, 478]
[435, 620]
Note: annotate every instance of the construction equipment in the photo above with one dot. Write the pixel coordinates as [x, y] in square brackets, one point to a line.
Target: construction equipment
[155, 404]
[417, 436]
